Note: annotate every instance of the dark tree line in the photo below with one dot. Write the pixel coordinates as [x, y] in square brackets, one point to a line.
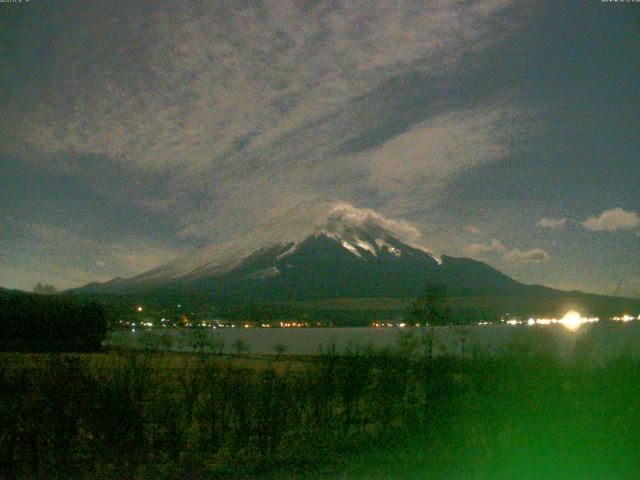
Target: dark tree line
[432, 307]
[50, 323]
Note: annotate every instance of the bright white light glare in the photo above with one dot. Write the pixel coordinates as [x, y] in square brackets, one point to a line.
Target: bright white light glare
[572, 320]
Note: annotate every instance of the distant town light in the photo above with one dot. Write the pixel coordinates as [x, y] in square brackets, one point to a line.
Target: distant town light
[572, 320]
[139, 309]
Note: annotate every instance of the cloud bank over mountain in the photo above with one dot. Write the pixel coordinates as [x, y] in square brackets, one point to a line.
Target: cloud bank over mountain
[256, 104]
[155, 127]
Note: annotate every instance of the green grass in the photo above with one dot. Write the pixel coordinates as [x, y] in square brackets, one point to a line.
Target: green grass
[365, 415]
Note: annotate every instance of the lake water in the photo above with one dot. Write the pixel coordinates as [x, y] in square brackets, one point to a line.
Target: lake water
[593, 341]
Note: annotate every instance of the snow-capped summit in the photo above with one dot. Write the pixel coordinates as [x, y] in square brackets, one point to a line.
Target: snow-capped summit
[352, 227]
[358, 231]
[318, 249]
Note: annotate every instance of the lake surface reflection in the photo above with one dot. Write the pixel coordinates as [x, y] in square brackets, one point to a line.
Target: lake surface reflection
[593, 341]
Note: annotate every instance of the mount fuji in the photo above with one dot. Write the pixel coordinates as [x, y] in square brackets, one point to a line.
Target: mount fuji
[324, 250]
[321, 249]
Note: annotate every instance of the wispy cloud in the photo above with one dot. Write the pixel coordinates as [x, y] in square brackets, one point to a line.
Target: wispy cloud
[552, 223]
[478, 249]
[76, 255]
[610, 220]
[513, 256]
[519, 257]
[220, 97]
[217, 115]
[422, 159]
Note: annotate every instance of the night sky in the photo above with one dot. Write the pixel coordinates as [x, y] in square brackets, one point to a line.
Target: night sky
[506, 131]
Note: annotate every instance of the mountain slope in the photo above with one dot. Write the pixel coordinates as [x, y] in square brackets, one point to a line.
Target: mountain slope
[360, 235]
[325, 250]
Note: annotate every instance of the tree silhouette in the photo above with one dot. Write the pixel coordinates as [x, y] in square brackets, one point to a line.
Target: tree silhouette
[50, 323]
[280, 349]
[44, 289]
[240, 347]
[432, 307]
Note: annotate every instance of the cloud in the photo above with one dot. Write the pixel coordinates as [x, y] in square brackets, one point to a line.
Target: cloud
[365, 218]
[49, 233]
[611, 220]
[472, 229]
[195, 230]
[60, 276]
[138, 259]
[514, 256]
[255, 104]
[78, 255]
[478, 249]
[552, 223]
[214, 115]
[518, 256]
[318, 213]
[425, 157]
[497, 245]
[243, 82]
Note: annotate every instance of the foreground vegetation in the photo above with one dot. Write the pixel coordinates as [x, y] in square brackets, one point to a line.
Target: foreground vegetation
[365, 414]
[50, 323]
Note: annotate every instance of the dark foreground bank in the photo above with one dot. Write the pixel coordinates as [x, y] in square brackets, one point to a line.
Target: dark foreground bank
[367, 414]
